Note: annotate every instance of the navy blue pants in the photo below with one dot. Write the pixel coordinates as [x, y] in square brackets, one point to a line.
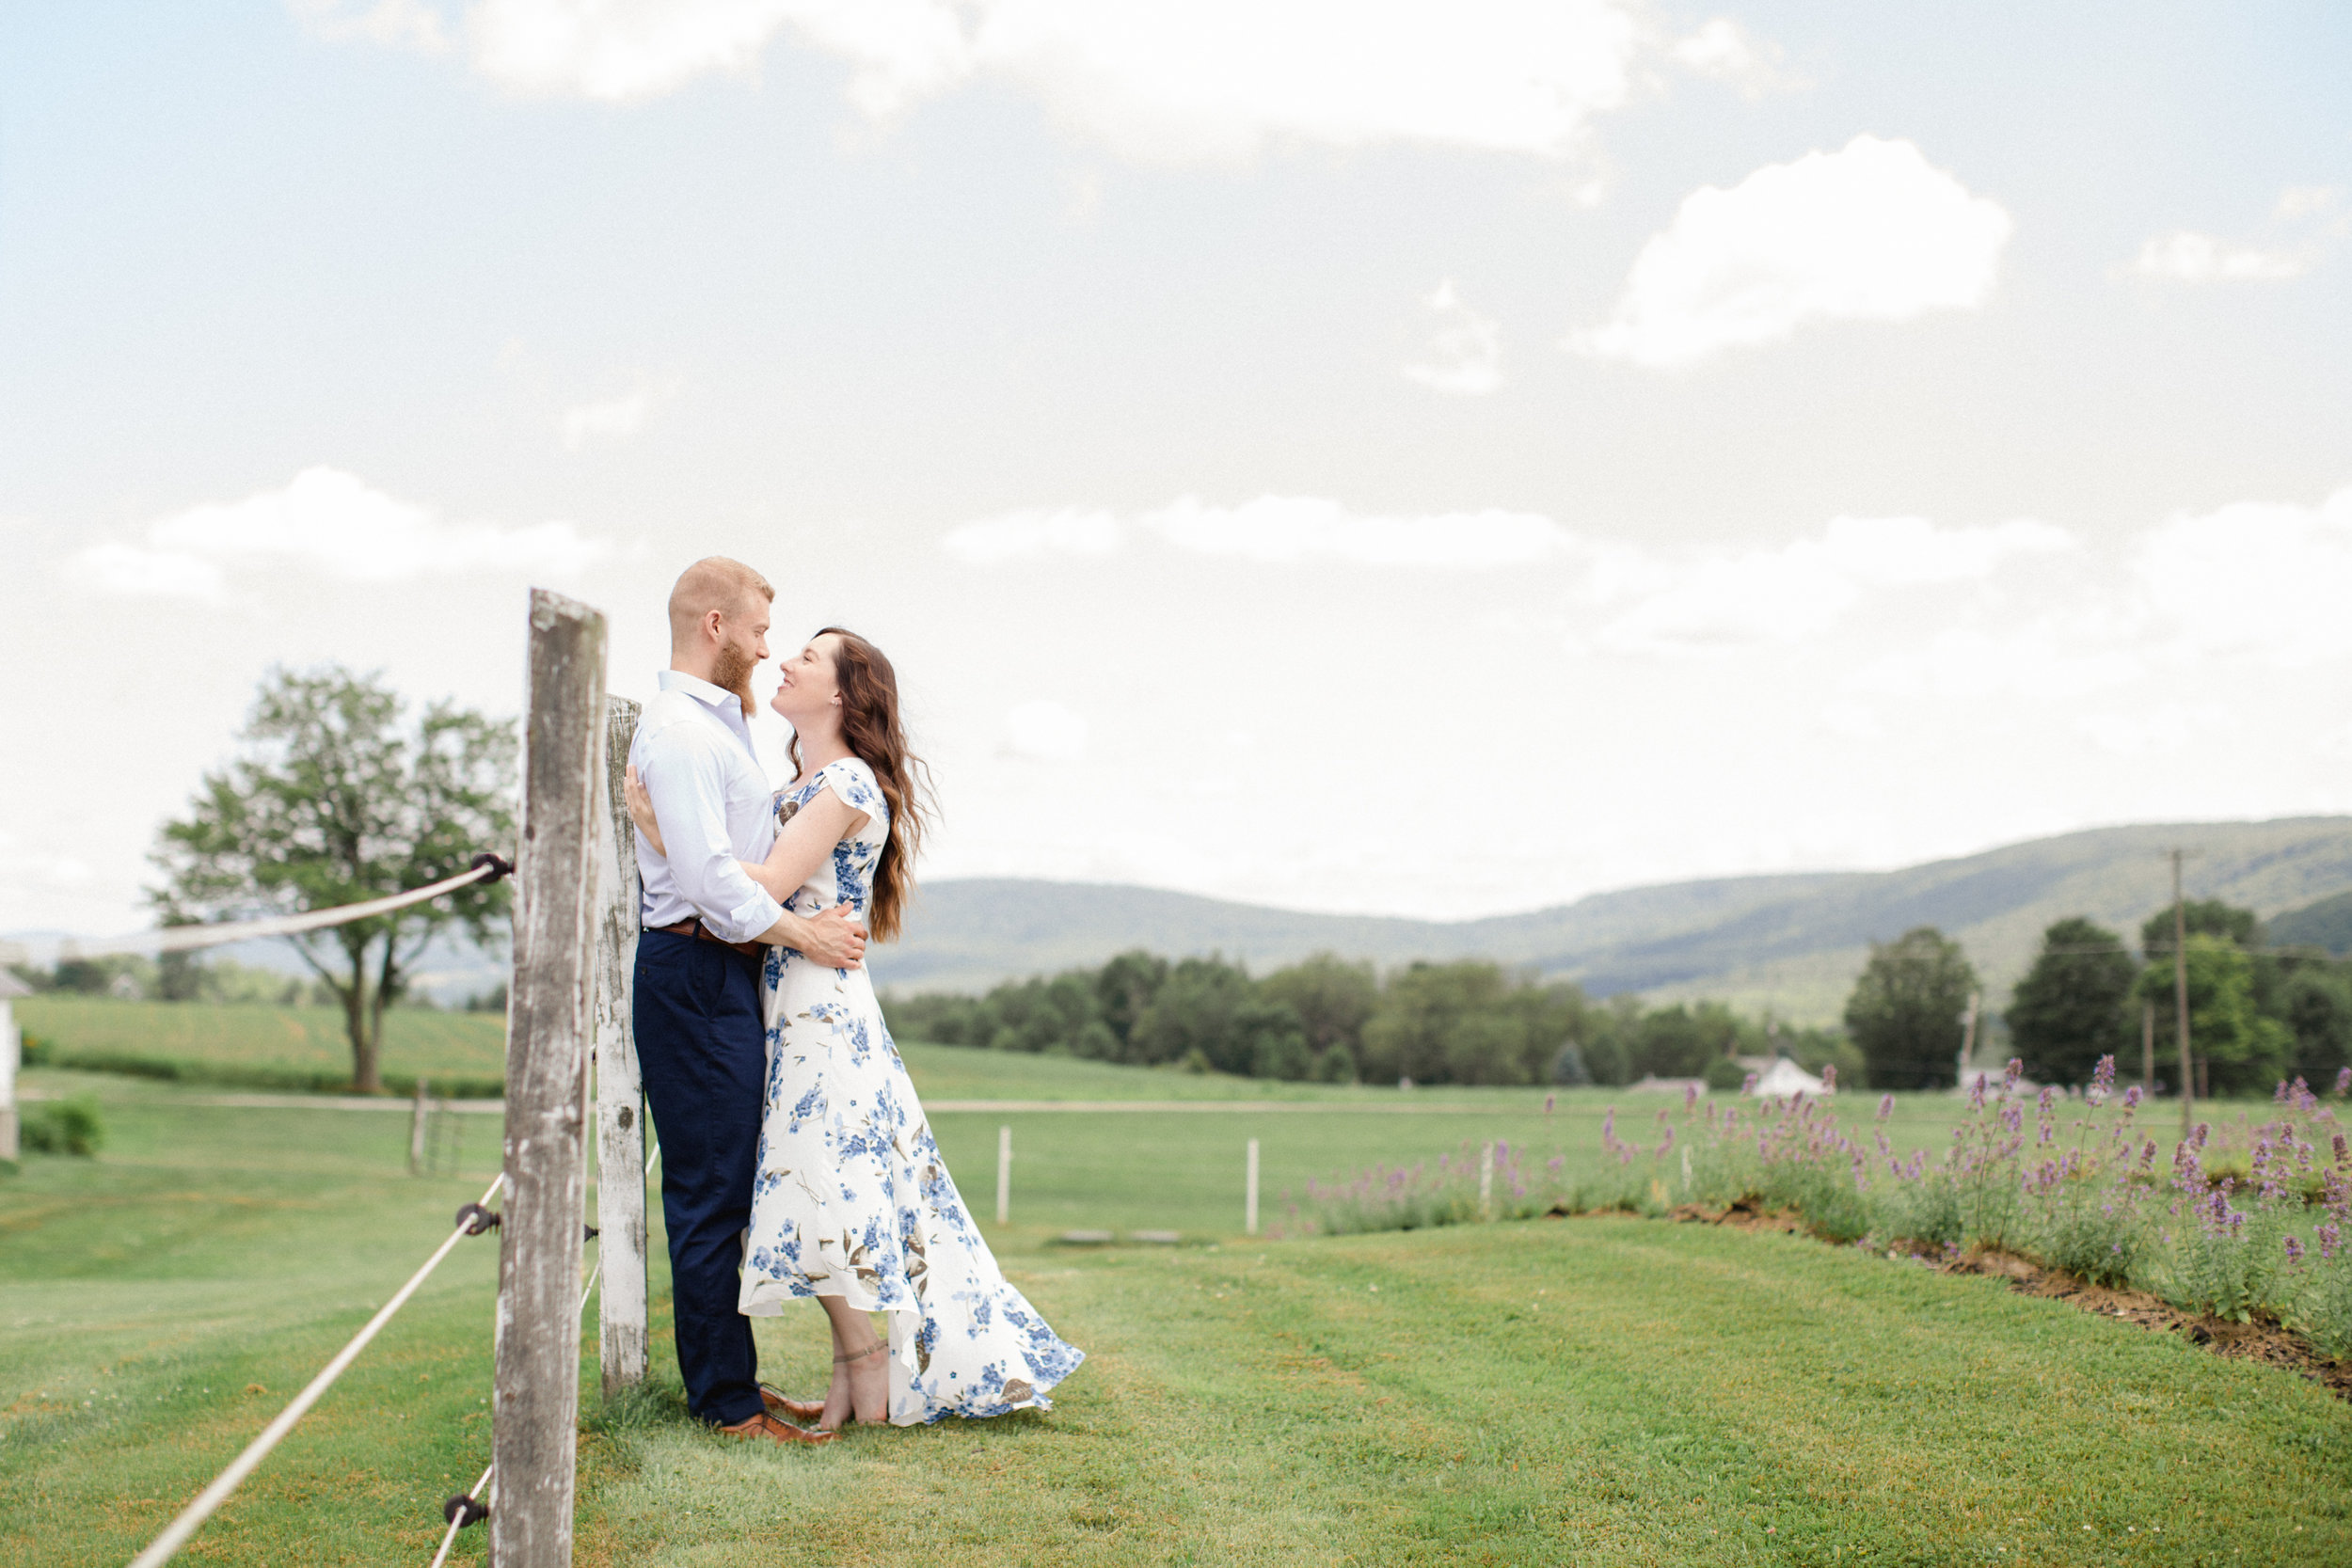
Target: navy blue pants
[703, 1052]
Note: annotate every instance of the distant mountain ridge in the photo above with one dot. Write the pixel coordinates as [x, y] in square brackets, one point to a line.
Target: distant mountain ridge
[1791, 942]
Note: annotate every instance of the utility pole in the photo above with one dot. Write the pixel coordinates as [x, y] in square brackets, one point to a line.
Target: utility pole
[1968, 1036]
[2179, 995]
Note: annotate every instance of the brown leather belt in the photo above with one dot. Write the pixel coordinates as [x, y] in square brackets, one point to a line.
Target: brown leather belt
[700, 933]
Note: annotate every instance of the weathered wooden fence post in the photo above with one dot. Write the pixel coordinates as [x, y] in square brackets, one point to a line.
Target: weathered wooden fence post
[418, 1121]
[535, 1403]
[12, 1047]
[1249, 1203]
[621, 1306]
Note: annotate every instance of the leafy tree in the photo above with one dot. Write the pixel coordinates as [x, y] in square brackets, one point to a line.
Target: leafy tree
[2318, 1010]
[1905, 1010]
[1123, 987]
[1209, 1006]
[2237, 1047]
[1679, 1041]
[1333, 999]
[2076, 1005]
[336, 799]
[2203, 918]
[1467, 1023]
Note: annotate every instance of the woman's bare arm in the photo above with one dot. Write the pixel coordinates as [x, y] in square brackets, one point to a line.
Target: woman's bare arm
[833, 937]
[804, 844]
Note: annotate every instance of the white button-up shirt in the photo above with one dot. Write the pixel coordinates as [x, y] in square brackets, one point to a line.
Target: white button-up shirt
[715, 806]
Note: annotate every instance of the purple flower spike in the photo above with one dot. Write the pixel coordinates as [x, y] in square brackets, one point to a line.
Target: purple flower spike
[2131, 1098]
[2294, 1250]
[1547, 1100]
[1749, 1087]
[1887, 1106]
[2011, 1074]
[1828, 1078]
[2343, 1081]
[2103, 1078]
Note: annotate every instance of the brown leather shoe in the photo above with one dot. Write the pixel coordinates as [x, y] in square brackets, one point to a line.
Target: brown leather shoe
[766, 1426]
[804, 1412]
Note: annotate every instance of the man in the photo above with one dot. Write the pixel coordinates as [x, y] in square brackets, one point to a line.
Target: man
[701, 1044]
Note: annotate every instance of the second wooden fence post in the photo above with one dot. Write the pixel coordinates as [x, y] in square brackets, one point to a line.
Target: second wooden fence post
[535, 1401]
[621, 1303]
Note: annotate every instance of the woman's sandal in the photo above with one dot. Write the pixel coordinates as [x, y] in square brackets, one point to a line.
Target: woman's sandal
[805, 1412]
[875, 1348]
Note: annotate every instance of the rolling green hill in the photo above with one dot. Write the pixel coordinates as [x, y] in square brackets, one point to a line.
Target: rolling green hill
[2327, 925]
[1793, 942]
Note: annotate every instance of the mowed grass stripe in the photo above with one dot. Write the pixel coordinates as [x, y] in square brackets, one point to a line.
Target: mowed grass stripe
[1675, 1394]
[1590, 1391]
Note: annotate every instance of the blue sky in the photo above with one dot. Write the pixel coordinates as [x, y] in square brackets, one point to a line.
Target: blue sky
[1841, 435]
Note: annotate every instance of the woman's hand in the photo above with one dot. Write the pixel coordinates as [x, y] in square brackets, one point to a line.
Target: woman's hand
[640, 809]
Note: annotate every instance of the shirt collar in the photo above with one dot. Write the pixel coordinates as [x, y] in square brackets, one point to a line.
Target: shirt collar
[700, 690]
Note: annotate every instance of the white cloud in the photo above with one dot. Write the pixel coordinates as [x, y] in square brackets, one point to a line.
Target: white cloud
[613, 418]
[329, 521]
[1801, 589]
[2257, 579]
[2295, 237]
[1160, 80]
[1273, 529]
[118, 568]
[1021, 534]
[1465, 350]
[395, 23]
[2306, 201]
[1727, 51]
[1045, 731]
[1872, 232]
[2185, 257]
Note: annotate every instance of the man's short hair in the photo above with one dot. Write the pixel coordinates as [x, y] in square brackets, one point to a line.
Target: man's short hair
[714, 582]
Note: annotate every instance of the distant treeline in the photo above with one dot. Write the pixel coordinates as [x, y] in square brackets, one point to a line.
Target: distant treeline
[1329, 1020]
[2260, 1012]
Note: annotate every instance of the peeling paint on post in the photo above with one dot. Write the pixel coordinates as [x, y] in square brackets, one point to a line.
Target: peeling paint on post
[535, 1398]
[621, 1302]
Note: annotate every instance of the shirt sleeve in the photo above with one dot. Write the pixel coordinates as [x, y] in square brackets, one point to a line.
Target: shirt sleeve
[688, 786]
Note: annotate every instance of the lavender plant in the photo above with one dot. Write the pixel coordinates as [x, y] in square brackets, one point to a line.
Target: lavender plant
[2085, 1205]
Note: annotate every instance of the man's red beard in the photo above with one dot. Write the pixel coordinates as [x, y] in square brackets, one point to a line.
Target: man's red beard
[731, 670]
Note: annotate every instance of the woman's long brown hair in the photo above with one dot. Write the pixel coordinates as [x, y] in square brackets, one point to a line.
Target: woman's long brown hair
[871, 729]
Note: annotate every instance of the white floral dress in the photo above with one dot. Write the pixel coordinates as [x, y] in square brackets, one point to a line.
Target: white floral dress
[852, 1198]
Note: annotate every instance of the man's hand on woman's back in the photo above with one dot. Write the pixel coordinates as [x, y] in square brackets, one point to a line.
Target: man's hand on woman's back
[833, 939]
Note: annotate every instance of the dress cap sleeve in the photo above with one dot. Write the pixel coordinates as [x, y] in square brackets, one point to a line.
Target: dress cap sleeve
[854, 782]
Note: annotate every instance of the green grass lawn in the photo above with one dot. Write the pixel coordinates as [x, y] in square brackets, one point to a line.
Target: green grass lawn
[257, 1045]
[1588, 1391]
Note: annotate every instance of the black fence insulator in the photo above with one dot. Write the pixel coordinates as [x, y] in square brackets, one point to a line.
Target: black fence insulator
[591, 1236]
[500, 867]
[461, 1510]
[476, 1219]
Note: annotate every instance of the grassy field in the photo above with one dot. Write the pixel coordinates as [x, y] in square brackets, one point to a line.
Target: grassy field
[1588, 1391]
[256, 1045]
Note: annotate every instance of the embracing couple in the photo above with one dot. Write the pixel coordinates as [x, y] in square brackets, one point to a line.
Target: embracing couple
[796, 1159]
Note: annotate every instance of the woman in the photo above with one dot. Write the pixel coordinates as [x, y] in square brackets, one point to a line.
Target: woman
[852, 1204]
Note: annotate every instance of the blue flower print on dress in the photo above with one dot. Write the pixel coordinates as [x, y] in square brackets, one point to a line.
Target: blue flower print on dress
[851, 1197]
